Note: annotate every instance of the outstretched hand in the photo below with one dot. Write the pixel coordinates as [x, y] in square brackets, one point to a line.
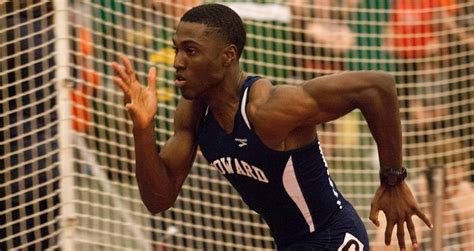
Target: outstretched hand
[140, 101]
[398, 205]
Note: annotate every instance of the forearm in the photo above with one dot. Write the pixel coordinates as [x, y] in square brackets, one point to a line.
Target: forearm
[156, 187]
[379, 105]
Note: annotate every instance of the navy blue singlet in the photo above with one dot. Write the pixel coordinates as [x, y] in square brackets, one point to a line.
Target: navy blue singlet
[291, 190]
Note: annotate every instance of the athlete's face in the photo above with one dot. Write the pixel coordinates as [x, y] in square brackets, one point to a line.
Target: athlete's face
[199, 59]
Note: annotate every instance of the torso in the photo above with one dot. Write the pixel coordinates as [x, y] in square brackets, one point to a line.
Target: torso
[285, 180]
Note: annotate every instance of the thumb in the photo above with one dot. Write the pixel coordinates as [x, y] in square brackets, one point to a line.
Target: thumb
[374, 214]
[131, 108]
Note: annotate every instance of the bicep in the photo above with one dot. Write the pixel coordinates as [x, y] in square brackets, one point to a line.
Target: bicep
[319, 100]
[338, 94]
[287, 107]
[332, 98]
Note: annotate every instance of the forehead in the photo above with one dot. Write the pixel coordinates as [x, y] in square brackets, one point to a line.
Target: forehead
[193, 32]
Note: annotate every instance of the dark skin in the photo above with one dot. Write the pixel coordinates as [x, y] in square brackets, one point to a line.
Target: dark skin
[284, 117]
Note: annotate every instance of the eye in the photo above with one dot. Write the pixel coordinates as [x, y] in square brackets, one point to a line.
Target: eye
[191, 51]
[175, 49]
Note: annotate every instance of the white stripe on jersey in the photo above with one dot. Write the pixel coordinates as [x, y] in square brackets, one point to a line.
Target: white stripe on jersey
[242, 108]
[293, 189]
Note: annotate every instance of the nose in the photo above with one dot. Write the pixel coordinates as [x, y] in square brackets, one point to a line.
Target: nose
[179, 61]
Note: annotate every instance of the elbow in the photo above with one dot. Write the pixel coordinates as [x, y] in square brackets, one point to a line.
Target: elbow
[377, 89]
[156, 208]
[158, 203]
[384, 91]
[382, 83]
[387, 81]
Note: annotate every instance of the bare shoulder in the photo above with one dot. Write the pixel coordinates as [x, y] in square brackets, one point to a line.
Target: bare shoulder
[260, 91]
[276, 110]
[264, 91]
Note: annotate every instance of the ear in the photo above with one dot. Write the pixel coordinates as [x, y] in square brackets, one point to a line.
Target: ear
[229, 55]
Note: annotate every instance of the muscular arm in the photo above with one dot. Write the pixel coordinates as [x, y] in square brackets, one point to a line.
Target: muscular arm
[160, 174]
[374, 94]
[290, 108]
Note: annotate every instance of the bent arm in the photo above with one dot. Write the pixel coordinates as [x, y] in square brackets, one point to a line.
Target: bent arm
[161, 174]
[375, 95]
[296, 109]
[323, 99]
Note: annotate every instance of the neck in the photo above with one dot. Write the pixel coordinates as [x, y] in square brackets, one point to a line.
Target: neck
[226, 93]
[224, 100]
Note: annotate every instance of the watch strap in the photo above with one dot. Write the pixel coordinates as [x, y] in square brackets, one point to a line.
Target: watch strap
[392, 176]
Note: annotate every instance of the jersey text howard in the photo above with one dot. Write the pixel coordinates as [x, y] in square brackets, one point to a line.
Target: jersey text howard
[228, 165]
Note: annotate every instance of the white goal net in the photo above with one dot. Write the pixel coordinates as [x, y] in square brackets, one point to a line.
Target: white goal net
[66, 149]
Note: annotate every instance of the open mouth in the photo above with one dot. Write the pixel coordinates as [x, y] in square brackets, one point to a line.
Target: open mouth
[179, 80]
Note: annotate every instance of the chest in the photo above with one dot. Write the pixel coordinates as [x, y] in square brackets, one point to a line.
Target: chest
[240, 142]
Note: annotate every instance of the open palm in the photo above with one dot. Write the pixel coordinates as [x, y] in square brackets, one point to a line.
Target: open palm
[398, 205]
[140, 101]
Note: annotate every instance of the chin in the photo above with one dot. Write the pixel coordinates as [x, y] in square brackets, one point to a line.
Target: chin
[189, 95]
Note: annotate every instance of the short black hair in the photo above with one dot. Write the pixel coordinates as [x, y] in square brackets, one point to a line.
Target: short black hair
[222, 18]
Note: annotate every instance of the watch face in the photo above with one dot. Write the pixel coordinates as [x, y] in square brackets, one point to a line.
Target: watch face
[392, 179]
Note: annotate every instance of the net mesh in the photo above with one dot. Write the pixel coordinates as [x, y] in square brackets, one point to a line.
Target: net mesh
[430, 54]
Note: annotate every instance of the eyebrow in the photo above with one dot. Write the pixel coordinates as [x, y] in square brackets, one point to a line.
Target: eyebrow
[187, 42]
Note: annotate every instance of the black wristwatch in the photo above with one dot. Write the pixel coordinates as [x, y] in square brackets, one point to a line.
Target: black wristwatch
[391, 176]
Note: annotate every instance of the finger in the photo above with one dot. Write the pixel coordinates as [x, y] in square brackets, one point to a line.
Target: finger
[152, 78]
[424, 218]
[128, 67]
[374, 215]
[388, 232]
[119, 82]
[411, 231]
[120, 72]
[126, 91]
[401, 235]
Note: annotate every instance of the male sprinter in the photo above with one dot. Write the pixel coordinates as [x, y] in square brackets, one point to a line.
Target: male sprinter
[263, 138]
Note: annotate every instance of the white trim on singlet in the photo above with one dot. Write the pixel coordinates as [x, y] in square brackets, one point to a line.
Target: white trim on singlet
[242, 108]
[292, 187]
